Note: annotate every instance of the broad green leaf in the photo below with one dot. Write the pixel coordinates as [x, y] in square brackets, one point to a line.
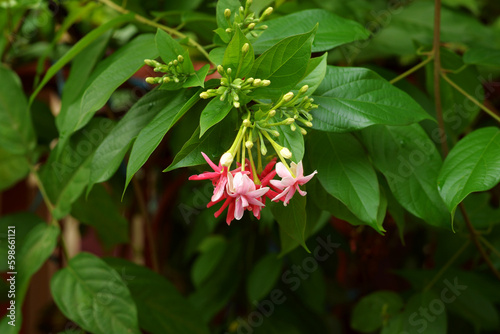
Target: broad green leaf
[346, 173]
[214, 143]
[263, 277]
[16, 131]
[333, 30]
[65, 175]
[354, 98]
[13, 167]
[78, 47]
[293, 140]
[215, 111]
[292, 218]
[472, 165]
[161, 308]
[31, 254]
[211, 254]
[100, 211]
[410, 162]
[108, 75]
[480, 55]
[284, 64]
[170, 49]
[240, 62]
[197, 78]
[110, 153]
[315, 73]
[471, 5]
[370, 312]
[88, 287]
[217, 55]
[152, 134]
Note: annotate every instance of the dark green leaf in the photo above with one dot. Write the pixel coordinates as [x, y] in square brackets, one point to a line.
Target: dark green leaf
[355, 98]
[292, 218]
[472, 165]
[333, 30]
[263, 277]
[480, 55]
[88, 286]
[212, 252]
[214, 112]
[370, 312]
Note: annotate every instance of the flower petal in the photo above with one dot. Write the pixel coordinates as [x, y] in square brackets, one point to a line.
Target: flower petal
[282, 170]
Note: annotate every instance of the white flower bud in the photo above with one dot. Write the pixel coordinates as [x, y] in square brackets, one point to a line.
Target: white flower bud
[288, 96]
[229, 70]
[151, 80]
[256, 82]
[309, 124]
[272, 113]
[286, 153]
[249, 80]
[247, 123]
[303, 89]
[220, 69]
[245, 48]
[204, 95]
[275, 133]
[228, 30]
[289, 121]
[227, 13]
[166, 80]
[226, 159]
[251, 26]
[268, 11]
[266, 83]
[293, 127]
[236, 104]
[263, 27]
[180, 58]
[248, 144]
[303, 131]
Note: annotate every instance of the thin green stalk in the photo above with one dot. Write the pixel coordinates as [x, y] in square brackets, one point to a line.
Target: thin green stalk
[413, 69]
[489, 245]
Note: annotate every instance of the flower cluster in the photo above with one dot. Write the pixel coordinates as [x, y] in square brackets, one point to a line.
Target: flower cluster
[246, 20]
[174, 71]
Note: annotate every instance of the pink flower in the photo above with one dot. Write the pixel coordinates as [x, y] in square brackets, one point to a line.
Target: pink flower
[288, 183]
[246, 195]
[218, 177]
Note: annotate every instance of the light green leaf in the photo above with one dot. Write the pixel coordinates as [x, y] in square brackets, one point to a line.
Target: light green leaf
[263, 277]
[152, 134]
[215, 111]
[333, 30]
[292, 218]
[217, 55]
[284, 65]
[472, 165]
[370, 312]
[240, 62]
[480, 55]
[315, 73]
[354, 98]
[161, 308]
[346, 173]
[88, 286]
[410, 162]
[13, 167]
[197, 79]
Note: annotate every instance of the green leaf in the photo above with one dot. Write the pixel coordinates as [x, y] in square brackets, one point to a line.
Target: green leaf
[108, 75]
[65, 175]
[292, 218]
[212, 252]
[355, 98]
[472, 165]
[263, 277]
[346, 173]
[217, 55]
[370, 312]
[13, 167]
[110, 153]
[240, 62]
[78, 47]
[315, 73]
[333, 30]
[197, 78]
[214, 143]
[410, 162]
[152, 134]
[284, 65]
[100, 211]
[170, 49]
[480, 55]
[17, 135]
[215, 111]
[161, 308]
[232, 5]
[293, 140]
[88, 286]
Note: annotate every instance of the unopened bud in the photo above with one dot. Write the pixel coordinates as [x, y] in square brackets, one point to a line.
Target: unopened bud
[226, 159]
[272, 113]
[249, 80]
[256, 82]
[275, 133]
[176, 62]
[242, 10]
[151, 80]
[251, 26]
[227, 13]
[303, 89]
[266, 83]
[149, 62]
[236, 104]
[289, 121]
[309, 124]
[166, 80]
[247, 123]
[220, 69]
[245, 48]
[229, 70]
[228, 30]
[204, 95]
[248, 144]
[263, 27]
[268, 11]
[249, 2]
[286, 153]
[303, 131]
[263, 149]
[288, 96]
[180, 58]
[293, 127]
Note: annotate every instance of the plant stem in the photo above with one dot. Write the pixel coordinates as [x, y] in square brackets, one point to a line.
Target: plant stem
[413, 69]
[489, 245]
[476, 102]
[149, 229]
[446, 266]
[474, 236]
[171, 31]
[437, 75]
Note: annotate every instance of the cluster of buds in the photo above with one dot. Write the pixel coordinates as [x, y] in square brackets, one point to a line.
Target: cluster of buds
[174, 71]
[233, 90]
[246, 20]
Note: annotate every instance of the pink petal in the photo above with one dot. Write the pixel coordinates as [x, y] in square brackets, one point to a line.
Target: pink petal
[207, 159]
[301, 192]
[305, 179]
[299, 170]
[277, 184]
[219, 189]
[283, 193]
[282, 170]
[238, 210]
[289, 196]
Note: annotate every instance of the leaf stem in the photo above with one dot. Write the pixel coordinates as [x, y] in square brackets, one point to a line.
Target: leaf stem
[489, 245]
[476, 102]
[413, 69]
[146, 21]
